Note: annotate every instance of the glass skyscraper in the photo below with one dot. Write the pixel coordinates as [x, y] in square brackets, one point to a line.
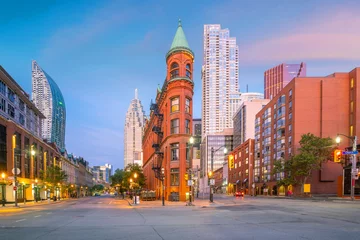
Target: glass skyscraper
[48, 98]
[220, 74]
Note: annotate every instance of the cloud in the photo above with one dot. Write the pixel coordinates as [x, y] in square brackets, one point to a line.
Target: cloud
[331, 36]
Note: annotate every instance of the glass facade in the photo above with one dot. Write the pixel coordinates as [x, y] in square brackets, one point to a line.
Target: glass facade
[217, 143]
[50, 101]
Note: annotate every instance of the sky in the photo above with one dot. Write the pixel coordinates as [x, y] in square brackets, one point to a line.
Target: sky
[98, 52]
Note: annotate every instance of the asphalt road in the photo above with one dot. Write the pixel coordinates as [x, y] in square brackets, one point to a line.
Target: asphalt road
[242, 218]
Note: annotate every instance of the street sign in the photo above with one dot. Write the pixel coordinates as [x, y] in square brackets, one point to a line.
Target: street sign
[17, 171]
[350, 152]
[15, 188]
[212, 182]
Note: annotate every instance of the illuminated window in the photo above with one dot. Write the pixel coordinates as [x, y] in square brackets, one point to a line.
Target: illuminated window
[175, 104]
[352, 83]
[187, 105]
[351, 130]
[174, 177]
[352, 107]
[174, 151]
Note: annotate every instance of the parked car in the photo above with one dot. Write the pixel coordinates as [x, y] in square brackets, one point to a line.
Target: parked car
[239, 194]
[97, 194]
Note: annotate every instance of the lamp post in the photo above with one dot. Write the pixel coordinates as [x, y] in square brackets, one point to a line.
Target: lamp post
[353, 162]
[191, 143]
[163, 184]
[131, 187]
[135, 176]
[3, 189]
[15, 167]
[58, 190]
[213, 151]
[36, 190]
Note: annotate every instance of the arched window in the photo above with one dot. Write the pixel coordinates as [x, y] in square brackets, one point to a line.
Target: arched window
[188, 70]
[174, 70]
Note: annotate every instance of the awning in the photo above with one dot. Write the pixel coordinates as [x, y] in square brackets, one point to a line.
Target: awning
[245, 180]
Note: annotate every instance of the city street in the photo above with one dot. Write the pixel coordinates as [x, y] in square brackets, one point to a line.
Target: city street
[228, 218]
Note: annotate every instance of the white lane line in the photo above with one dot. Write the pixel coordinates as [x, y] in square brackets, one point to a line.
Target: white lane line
[37, 216]
[110, 202]
[20, 220]
[48, 213]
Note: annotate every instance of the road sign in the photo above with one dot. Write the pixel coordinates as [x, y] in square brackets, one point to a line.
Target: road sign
[17, 171]
[15, 188]
[350, 152]
[212, 182]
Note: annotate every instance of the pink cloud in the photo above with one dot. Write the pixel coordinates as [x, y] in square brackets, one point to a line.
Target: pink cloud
[329, 36]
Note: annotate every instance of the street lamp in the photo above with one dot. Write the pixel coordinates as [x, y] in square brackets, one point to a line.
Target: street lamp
[3, 189]
[162, 180]
[135, 176]
[36, 190]
[213, 151]
[191, 142]
[353, 162]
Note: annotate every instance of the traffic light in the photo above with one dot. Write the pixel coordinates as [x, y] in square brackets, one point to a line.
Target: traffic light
[337, 155]
[210, 174]
[186, 176]
[231, 161]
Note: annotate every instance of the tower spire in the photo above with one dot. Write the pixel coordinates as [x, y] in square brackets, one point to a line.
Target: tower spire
[136, 93]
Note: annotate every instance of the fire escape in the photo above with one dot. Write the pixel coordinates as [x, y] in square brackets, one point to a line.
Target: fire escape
[156, 145]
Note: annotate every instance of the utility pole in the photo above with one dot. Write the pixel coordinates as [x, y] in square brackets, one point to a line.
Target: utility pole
[353, 169]
[15, 168]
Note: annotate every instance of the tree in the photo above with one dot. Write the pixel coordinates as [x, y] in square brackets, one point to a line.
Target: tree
[312, 153]
[97, 188]
[129, 172]
[283, 169]
[53, 176]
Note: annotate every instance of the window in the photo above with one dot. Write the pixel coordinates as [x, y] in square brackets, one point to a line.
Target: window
[290, 104]
[235, 165]
[247, 161]
[174, 177]
[175, 126]
[247, 172]
[2, 87]
[11, 95]
[352, 83]
[174, 151]
[175, 104]
[11, 111]
[187, 126]
[174, 70]
[187, 105]
[290, 128]
[188, 151]
[188, 70]
[290, 92]
[3, 104]
[21, 105]
[290, 115]
[21, 119]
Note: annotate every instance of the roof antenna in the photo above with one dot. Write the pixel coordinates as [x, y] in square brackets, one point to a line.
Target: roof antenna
[247, 88]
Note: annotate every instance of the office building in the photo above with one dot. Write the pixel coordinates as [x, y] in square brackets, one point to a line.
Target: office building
[278, 77]
[133, 132]
[48, 98]
[323, 106]
[102, 174]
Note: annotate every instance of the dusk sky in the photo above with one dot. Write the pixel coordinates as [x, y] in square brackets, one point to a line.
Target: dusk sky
[98, 52]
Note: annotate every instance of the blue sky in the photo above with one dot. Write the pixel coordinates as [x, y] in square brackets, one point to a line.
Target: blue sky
[98, 52]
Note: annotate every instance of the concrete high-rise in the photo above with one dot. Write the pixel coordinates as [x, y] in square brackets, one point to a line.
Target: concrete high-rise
[220, 74]
[48, 98]
[133, 132]
[278, 77]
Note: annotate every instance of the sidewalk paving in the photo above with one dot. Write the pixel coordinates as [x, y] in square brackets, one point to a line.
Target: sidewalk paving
[199, 203]
[33, 203]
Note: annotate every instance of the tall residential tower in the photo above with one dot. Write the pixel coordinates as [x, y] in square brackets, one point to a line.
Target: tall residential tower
[220, 74]
[49, 100]
[133, 132]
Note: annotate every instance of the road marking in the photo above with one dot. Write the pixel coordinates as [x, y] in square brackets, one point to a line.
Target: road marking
[38, 216]
[110, 202]
[20, 220]
[99, 202]
[48, 213]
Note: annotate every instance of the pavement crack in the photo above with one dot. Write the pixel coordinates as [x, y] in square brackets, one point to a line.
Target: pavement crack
[157, 232]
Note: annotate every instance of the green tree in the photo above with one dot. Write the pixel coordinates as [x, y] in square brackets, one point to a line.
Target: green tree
[283, 169]
[53, 176]
[129, 173]
[97, 188]
[312, 153]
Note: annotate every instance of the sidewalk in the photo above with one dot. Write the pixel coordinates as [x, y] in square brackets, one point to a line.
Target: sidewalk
[316, 198]
[199, 203]
[33, 204]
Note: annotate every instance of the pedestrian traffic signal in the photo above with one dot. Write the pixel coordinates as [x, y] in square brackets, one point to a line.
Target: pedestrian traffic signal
[186, 176]
[337, 155]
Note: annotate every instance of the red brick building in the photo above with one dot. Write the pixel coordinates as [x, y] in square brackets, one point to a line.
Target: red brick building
[323, 106]
[167, 132]
[241, 171]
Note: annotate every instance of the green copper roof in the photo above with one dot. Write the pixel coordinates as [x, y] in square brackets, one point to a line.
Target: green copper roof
[179, 39]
